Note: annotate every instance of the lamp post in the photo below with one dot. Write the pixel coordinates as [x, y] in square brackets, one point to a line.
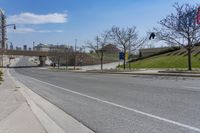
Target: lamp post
[75, 54]
[3, 31]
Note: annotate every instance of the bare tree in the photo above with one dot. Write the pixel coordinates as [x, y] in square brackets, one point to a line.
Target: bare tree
[101, 41]
[126, 38]
[180, 28]
[67, 53]
[53, 56]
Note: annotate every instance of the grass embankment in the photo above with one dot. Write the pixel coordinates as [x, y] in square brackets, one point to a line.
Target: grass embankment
[171, 61]
[106, 56]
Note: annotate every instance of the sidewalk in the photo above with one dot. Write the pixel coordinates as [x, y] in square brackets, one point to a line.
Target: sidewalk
[110, 68]
[24, 111]
[15, 114]
[106, 66]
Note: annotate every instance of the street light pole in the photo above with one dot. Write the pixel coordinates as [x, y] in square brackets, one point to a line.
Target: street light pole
[3, 32]
[75, 54]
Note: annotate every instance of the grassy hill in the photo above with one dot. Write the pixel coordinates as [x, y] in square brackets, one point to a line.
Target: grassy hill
[176, 59]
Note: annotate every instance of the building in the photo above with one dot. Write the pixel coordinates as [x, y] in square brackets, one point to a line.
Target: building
[110, 48]
[25, 47]
[41, 47]
[18, 48]
[11, 46]
[49, 47]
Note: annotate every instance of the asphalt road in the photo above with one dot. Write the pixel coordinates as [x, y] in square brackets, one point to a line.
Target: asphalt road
[120, 103]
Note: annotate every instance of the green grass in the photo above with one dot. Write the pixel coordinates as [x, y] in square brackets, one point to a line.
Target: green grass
[164, 61]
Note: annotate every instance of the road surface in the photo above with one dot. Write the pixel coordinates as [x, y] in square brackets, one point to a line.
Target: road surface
[120, 103]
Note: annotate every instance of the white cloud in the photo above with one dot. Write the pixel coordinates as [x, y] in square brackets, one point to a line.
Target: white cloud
[30, 30]
[31, 18]
[59, 31]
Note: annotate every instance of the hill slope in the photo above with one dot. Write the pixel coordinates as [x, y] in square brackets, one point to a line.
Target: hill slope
[176, 59]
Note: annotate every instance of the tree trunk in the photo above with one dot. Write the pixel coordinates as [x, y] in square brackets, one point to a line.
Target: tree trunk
[54, 62]
[58, 62]
[66, 61]
[74, 61]
[102, 60]
[189, 60]
[124, 58]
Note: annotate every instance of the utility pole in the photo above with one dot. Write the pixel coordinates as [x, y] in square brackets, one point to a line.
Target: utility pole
[101, 51]
[66, 54]
[75, 54]
[97, 38]
[58, 56]
[3, 30]
[3, 26]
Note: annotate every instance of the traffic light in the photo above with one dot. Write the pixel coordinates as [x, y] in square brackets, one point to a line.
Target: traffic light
[152, 36]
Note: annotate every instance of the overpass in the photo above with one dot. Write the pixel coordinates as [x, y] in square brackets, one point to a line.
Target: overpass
[41, 54]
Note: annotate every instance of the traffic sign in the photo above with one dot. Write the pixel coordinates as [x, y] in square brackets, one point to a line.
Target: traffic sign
[127, 56]
[121, 55]
[198, 16]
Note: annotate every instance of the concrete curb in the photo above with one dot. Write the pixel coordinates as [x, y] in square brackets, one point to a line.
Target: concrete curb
[51, 117]
[150, 74]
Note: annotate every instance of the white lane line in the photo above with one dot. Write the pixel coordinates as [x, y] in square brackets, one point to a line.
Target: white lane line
[124, 107]
[192, 88]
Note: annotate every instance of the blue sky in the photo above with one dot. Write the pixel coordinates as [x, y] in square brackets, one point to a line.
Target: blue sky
[63, 21]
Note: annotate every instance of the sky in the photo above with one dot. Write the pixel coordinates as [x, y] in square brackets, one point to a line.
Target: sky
[63, 21]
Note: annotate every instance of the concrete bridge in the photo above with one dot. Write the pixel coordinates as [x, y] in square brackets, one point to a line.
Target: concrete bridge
[41, 54]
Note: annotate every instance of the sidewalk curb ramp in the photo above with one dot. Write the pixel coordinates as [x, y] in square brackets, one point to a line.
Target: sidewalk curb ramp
[53, 119]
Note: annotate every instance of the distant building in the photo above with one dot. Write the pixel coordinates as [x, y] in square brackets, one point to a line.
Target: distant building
[41, 47]
[11, 46]
[18, 48]
[49, 47]
[25, 47]
[110, 48]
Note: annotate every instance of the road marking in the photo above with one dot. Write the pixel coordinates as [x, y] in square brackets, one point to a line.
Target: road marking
[194, 88]
[124, 107]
